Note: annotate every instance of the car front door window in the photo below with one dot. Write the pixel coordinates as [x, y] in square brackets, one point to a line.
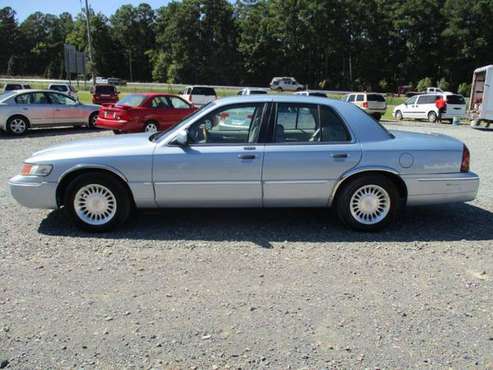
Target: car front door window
[232, 125]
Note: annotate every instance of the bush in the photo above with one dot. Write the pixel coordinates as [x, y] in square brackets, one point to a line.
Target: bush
[464, 89]
[424, 84]
[443, 84]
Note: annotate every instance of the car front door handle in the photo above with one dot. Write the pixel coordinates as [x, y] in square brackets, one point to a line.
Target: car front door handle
[246, 156]
[339, 155]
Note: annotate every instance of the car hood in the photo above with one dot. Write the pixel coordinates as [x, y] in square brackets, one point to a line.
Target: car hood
[107, 146]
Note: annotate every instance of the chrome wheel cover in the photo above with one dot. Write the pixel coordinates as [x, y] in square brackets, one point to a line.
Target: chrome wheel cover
[95, 204]
[150, 127]
[18, 126]
[370, 204]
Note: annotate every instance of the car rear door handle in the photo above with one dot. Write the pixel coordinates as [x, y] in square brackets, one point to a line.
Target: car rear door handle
[339, 155]
[246, 156]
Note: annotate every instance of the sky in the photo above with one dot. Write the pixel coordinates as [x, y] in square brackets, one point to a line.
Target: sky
[24, 8]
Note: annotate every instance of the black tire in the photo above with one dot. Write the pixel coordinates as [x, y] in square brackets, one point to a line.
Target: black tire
[432, 117]
[123, 203]
[345, 196]
[398, 115]
[17, 125]
[151, 126]
[377, 116]
[117, 132]
[92, 120]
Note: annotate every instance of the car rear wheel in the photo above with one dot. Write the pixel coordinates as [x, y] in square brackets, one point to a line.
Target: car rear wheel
[151, 126]
[92, 120]
[377, 116]
[97, 202]
[398, 115]
[432, 117]
[17, 126]
[368, 203]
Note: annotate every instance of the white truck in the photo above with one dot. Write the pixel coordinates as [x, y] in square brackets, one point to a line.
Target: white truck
[434, 90]
[481, 102]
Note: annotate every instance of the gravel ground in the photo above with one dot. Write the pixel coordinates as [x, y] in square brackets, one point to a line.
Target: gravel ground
[247, 288]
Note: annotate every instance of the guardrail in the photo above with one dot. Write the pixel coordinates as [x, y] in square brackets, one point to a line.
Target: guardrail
[154, 84]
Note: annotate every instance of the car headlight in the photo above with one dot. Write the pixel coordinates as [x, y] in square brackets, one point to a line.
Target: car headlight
[29, 169]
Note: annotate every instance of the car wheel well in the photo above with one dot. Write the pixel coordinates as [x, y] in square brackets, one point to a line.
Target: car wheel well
[398, 182]
[68, 178]
[20, 116]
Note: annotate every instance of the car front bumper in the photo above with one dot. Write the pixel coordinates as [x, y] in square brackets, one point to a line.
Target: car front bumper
[442, 188]
[32, 193]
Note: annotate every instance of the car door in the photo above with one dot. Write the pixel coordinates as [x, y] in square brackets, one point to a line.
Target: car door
[221, 166]
[36, 107]
[409, 107]
[424, 104]
[65, 109]
[311, 148]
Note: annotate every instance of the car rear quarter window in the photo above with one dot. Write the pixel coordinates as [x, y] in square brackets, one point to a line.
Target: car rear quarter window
[455, 99]
[333, 129]
[375, 97]
[360, 98]
[208, 91]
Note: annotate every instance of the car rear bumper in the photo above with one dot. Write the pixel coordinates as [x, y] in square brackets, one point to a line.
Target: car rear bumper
[112, 124]
[442, 188]
[33, 194]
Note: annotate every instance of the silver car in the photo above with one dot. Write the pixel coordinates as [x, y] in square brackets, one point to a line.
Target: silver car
[252, 151]
[21, 110]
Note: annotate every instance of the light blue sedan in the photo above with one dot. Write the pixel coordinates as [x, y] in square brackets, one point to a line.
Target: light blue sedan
[287, 151]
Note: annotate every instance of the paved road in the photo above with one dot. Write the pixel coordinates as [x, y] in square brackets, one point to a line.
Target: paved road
[247, 288]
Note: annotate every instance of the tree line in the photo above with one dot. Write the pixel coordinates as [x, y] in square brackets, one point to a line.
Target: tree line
[334, 44]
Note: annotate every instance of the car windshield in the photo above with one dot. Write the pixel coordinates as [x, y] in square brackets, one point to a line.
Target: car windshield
[6, 95]
[105, 89]
[181, 123]
[375, 97]
[455, 99]
[133, 100]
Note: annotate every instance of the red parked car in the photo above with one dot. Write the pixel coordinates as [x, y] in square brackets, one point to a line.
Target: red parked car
[144, 112]
[104, 94]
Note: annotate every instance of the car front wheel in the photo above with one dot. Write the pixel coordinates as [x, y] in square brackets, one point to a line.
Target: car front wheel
[97, 202]
[92, 120]
[17, 126]
[368, 203]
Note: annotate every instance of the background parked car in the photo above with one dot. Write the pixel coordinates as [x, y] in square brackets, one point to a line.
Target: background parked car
[372, 103]
[481, 98]
[249, 91]
[115, 81]
[311, 93]
[15, 86]
[144, 112]
[104, 94]
[423, 107]
[64, 88]
[199, 95]
[21, 110]
[285, 83]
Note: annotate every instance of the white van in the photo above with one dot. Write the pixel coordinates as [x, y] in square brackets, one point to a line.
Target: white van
[286, 84]
[199, 95]
[481, 101]
[423, 107]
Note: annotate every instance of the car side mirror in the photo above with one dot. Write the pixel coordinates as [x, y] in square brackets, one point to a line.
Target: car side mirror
[181, 138]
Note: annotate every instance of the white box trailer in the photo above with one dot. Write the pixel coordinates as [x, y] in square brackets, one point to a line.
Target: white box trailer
[481, 100]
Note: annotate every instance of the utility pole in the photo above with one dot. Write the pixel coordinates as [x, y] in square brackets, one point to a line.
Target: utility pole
[89, 42]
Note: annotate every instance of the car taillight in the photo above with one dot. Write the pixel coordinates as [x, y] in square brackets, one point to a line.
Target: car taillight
[365, 104]
[466, 160]
[190, 98]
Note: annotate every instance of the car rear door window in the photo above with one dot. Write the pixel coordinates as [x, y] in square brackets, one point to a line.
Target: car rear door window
[160, 102]
[351, 98]
[61, 99]
[360, 97]
[32, 98]
[333, 129]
